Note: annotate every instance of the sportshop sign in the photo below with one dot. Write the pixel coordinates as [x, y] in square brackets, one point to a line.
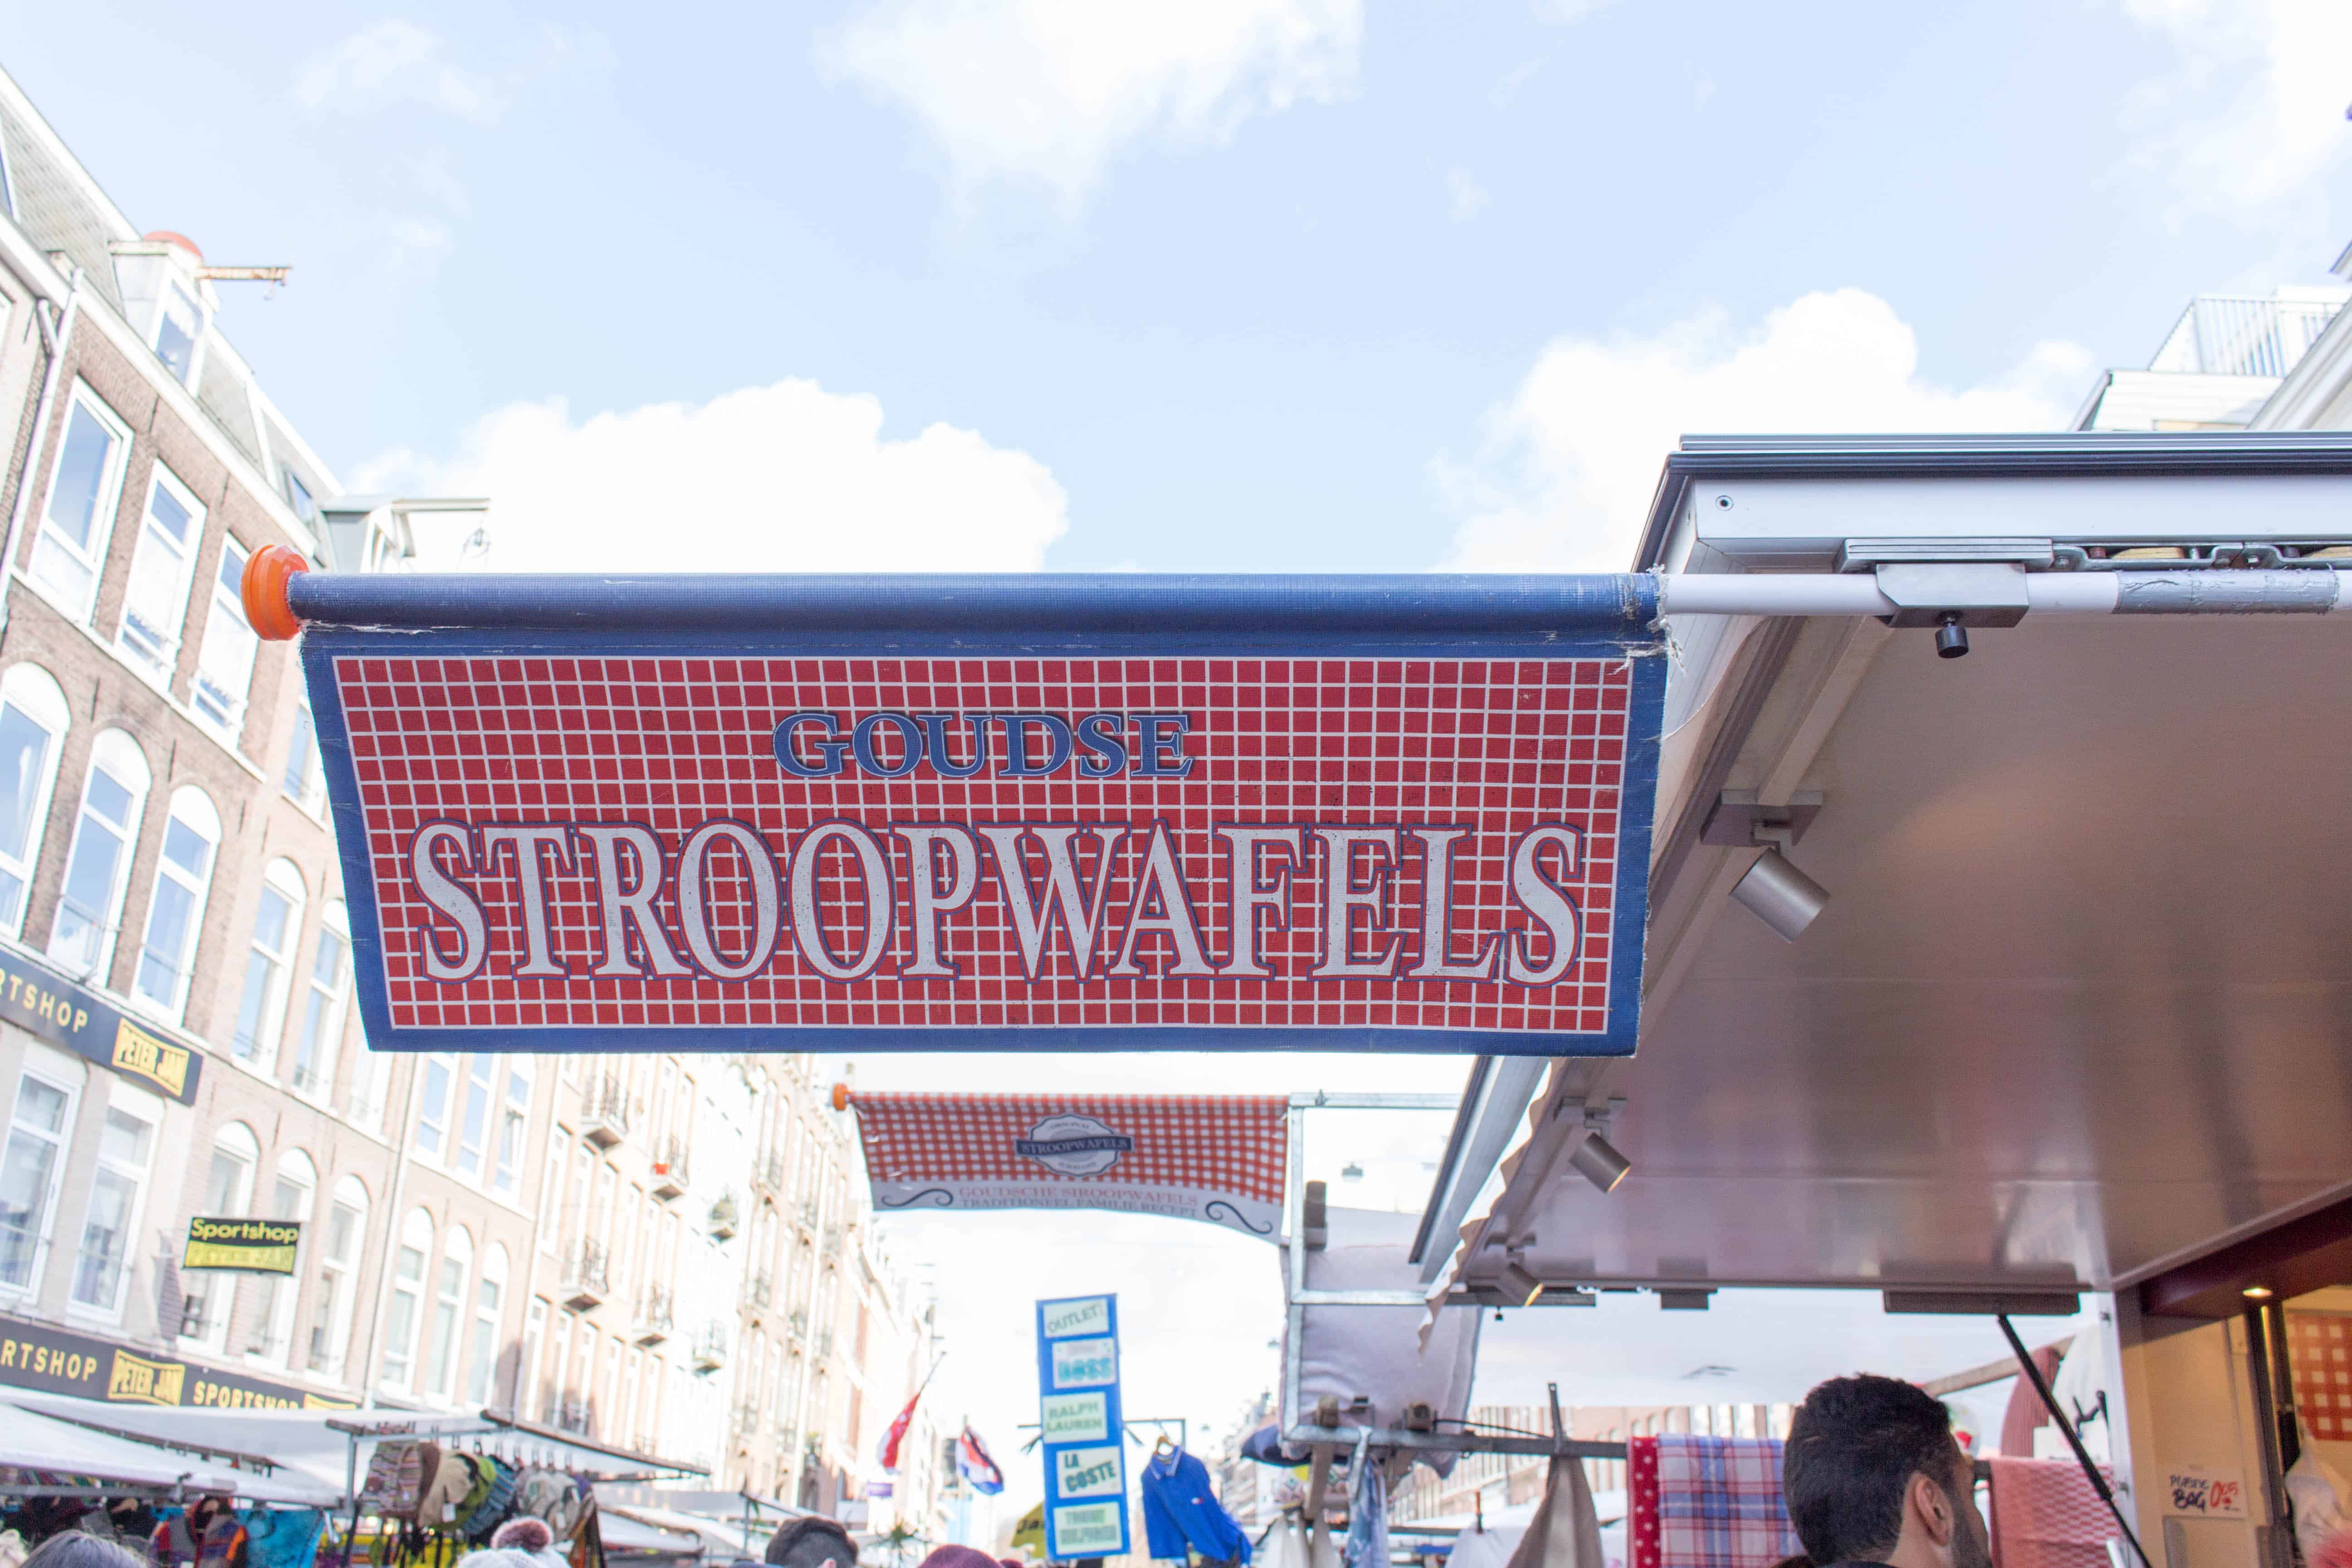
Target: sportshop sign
[1289, 835]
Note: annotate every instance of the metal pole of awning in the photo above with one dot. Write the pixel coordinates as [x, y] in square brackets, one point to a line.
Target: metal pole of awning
[2032, 1374]
[282, 595]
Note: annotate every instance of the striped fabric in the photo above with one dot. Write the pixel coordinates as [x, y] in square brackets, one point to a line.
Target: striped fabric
[1708, 1502]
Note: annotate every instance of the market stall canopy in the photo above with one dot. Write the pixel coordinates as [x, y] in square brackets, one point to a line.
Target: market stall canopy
[2074, 1008]
[33, 1439]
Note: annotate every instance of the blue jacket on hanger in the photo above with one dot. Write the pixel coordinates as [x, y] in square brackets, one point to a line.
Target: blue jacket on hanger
[1180, 1510]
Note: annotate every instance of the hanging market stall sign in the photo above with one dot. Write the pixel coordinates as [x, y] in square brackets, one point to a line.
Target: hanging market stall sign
[247, 1246]
[1213, 1157]
[1080, 1428]
[989, 812]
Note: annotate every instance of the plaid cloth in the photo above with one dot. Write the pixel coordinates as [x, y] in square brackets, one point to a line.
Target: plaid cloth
[1708, 1502]
[2046, 1515]
[1235, 1144]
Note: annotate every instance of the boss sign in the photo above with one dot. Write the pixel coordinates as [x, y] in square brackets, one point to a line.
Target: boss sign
[573, 849]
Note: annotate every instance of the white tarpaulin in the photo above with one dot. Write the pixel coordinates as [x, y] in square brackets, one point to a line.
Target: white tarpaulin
[34, 1441]
[1376, 1353]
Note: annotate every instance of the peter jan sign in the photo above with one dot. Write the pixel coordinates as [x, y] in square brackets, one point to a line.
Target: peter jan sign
[1377, 836]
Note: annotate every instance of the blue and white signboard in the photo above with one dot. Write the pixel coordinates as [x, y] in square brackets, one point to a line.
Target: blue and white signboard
[1082, 1433]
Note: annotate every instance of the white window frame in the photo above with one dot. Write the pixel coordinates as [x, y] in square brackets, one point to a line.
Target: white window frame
[280, 1293]
[303, 779]
[551, 1193]
[60, 1072]
[192, 808]
[223, 618]
[284, 878]
[487, 1326]
[197, 339]
[117, 754]
[332, 1310]
[109, 504]
[415, 1237]
[142, 1107]
[510, 1137]
[166, 655]
[237, 1140]
[34, 693]
[478, 1082]
[429, 1115]
[450, 1315]
[317, 1056]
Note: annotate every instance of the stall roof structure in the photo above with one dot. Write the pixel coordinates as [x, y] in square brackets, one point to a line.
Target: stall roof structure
[66, 1445]
[2075, 1011]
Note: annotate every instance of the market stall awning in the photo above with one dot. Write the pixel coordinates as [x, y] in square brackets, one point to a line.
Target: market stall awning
[68, 1452]
[2075, 1006]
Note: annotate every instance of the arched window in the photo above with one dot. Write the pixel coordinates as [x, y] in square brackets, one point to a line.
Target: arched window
[338, 1255]
[227, 1194]
[407, 1310]
[176, 910]
[489, 1305]
[33, 722]
[448, 1310]
[291, 1196]
[322, 1004]
[261, 1006]
[98, 866]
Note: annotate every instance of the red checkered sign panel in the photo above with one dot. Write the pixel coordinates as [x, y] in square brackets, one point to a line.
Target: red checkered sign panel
[990, 851]
[2319, 1359]
[1214, 1158]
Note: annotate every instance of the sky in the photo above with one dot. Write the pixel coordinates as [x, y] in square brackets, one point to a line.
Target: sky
[1223, 285]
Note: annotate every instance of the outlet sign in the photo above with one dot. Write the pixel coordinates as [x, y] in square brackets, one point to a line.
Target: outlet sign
[1082, 1435]
[563, 841]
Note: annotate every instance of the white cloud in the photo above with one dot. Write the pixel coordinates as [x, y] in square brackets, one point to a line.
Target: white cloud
[2254, 114]
[1569, 466]
[395, 61]
[1466, 196]
[788, 477]
[1047, 92]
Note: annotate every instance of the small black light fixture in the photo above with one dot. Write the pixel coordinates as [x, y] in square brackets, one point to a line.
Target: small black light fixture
[1951, 637]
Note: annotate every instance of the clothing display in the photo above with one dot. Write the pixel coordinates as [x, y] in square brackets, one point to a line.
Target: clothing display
[2046, 1515]
[281, 1538]
[1565, 1531]
[2315, 1495]
[1708, 1502]
[1182, 1514]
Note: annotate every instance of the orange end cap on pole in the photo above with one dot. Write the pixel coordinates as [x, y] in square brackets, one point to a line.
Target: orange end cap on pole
[263, 589]
[841, 1097]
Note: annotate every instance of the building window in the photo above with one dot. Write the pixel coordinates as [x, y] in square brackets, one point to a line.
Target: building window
[155, 606]
[514, 1126]
[297, 496]
[228, 1193]
[338, 1253]
[33, 721]
[551, 1196]
[448, 1308]
[305, 781]
[489, 1302]
[531, 1398]
[28, 1174]
[291, 1195]
[322, 1004]
[433, 1104]
[98, 866]
[261, 1007]
[176, 911]
[473, 1129]
[225, 662]
[179, 329]
[370, 1091]
[407, 1312]
[125, 1145]
[84, 487]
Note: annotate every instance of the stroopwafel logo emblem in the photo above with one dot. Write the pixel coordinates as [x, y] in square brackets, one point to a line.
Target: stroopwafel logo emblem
[1074, 1145]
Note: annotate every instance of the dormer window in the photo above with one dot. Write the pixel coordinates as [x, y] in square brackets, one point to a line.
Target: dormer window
[178, 331]
[297, 496]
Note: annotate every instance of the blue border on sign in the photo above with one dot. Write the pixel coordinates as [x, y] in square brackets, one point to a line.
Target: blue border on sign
[1636, 813]
[1050, 1453]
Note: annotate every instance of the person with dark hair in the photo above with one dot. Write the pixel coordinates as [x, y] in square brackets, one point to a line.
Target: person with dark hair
[1871, 1474]
[77, 1549]
[811, 1542]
